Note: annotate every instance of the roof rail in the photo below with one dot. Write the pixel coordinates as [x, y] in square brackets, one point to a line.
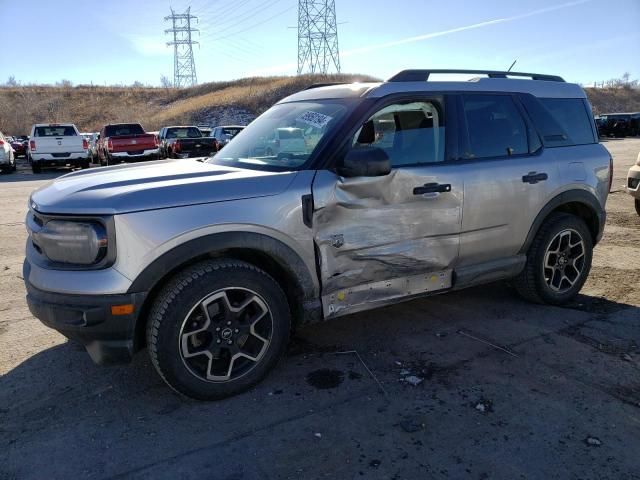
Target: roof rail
[423, 75]
[327, 84]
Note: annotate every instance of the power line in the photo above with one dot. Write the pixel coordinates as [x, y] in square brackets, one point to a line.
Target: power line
[255, 24]
[317, 36]
[243, 17]
[184, 67]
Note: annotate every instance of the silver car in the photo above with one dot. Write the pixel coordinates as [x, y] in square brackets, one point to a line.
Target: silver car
[633, 183]
[404, 188]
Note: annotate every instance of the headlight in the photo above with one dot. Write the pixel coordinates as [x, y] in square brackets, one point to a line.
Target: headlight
[79, 243]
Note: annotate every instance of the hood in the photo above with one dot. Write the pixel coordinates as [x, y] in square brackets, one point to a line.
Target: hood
[153, 185]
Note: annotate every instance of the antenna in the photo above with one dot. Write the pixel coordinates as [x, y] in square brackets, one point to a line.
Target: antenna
[317, 37]
[514, 62]
[184, 67]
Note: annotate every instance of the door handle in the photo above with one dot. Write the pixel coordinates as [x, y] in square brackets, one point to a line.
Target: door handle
[534, 177]
[432, 188]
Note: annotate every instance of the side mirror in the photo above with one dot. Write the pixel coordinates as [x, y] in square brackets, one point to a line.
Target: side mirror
[365, 162]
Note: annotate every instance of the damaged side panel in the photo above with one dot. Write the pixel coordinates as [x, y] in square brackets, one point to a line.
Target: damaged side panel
[377, 241]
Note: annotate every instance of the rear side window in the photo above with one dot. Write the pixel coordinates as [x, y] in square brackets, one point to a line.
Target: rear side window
[562, 122]
[124, 129]
[495, 127]
[58, 131]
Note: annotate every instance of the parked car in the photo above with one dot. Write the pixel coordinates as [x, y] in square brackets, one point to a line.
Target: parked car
[619, 125]
[285, 141]
[19, 148]
[57, 145]
[185, 142]
[633, 183]
[224, 134]
[126, 142]
[7, 155]
[413, 188]
[93, 147]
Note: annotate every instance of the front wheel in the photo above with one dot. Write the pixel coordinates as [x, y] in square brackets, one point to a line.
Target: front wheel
[217, 328]
[558, 261]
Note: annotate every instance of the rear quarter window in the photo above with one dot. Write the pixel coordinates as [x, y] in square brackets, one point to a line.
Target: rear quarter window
[562, 122]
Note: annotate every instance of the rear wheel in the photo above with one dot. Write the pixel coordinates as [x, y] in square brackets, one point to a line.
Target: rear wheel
[217, 328]
[558, 261]
[35, 167]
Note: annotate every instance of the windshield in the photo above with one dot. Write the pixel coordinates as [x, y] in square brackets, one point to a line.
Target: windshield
[284, 137]
[123, 129]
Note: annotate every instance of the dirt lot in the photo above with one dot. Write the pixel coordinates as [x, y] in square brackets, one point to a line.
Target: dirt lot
[561, 399]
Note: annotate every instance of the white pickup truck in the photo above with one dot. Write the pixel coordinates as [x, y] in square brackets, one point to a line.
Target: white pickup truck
[57, 145]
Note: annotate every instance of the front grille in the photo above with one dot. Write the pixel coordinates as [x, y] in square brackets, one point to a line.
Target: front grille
[38, 220]
[633, 183]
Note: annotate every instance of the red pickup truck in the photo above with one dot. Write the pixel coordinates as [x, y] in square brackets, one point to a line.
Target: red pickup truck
[126, 142]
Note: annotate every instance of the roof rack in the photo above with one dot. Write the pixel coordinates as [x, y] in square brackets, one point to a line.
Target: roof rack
[423, 75]
[326, 84]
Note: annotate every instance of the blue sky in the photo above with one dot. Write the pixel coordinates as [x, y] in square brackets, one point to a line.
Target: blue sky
[118, 41]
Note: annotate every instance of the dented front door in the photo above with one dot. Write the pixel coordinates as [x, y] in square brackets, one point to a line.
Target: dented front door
[380, 239]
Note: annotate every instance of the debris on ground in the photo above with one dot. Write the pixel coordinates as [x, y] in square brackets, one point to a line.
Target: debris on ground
[413, 380]
[483, 406]
[627, 358]
[412, 425]
[317, 435]
[593, 441]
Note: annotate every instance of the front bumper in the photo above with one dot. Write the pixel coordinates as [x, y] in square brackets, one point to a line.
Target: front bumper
[633, 181]
[87, 319]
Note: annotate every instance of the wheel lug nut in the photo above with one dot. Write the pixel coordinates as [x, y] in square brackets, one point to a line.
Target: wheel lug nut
[228, 323]
[217, 329]
[217, 341]
[236, 330]
[229, 342]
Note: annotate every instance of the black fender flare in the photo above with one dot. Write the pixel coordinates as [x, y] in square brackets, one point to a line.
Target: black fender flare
[286, 258]
[570, 196]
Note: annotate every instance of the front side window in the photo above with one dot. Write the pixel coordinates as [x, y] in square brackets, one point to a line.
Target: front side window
[495, 127]
[410, 133]
[284, 137]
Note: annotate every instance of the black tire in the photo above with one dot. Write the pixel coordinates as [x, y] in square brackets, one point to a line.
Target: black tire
[35, 167]
[532, 283]
[173, 311]
[637, 206]
[84, 165]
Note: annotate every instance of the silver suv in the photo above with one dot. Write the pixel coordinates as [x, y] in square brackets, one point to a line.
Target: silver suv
[405, 188]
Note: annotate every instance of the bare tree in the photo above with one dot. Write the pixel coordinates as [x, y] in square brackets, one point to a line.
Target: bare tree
[165, 82]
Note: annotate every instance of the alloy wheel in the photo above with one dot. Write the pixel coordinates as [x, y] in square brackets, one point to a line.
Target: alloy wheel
[226, 334]
[564, 260]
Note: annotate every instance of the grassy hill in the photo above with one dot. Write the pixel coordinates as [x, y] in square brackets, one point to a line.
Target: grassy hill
[239, 101]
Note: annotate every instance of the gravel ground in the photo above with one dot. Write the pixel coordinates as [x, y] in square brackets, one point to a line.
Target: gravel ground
[410, 391]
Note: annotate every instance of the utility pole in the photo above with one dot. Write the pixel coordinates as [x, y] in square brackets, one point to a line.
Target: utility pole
[184, 67]
[317, 37]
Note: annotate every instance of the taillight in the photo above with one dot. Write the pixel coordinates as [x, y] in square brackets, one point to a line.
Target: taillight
[177, 146]
[110, 145]
[32, 145]
[1, 142]
[610, 172]
[155, 140]
[85, 144]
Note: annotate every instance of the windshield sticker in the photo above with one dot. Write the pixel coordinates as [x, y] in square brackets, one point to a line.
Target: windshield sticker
[315, 119]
